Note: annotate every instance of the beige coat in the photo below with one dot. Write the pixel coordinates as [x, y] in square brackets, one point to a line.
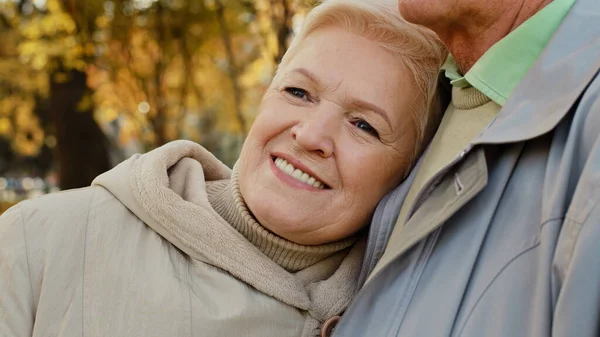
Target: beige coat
[142, 253]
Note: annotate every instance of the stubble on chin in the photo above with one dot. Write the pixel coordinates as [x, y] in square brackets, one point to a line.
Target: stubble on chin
[428, 13]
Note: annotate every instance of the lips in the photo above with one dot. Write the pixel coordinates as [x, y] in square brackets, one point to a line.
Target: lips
[298, 174]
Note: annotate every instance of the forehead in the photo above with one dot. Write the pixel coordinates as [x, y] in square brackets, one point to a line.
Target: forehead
[335, 51]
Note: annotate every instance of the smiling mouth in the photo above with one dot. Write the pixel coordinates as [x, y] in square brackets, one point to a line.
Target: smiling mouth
[298, 174]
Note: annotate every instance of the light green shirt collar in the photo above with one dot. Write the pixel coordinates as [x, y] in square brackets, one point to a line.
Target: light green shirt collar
[501, 68]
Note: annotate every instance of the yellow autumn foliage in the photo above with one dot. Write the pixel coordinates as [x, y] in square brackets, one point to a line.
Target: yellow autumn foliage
[144, 72]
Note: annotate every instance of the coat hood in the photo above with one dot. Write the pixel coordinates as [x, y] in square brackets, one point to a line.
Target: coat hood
[166, 189]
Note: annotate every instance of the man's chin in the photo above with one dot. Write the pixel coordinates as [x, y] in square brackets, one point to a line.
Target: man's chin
[420, 12]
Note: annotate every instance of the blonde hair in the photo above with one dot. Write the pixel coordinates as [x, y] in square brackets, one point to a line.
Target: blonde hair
[417, 47]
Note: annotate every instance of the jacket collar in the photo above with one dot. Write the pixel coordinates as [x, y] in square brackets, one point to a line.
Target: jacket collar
[546, 94]
[166, 189]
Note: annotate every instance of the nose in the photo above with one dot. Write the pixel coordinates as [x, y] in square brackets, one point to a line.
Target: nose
[316, 133]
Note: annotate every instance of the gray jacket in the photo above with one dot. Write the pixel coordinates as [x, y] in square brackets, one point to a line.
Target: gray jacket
[506, 239]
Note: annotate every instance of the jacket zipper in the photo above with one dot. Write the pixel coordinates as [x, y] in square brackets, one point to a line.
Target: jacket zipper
[426, 189]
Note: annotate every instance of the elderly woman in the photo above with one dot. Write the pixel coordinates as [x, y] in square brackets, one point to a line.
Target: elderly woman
[172, 243]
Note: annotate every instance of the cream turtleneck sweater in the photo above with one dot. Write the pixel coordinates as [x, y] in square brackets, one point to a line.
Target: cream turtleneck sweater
[226, 199]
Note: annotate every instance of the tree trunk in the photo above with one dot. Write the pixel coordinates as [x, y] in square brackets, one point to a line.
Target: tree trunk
[160, 119]
[233, 68]
[284, 30]
[82, 148]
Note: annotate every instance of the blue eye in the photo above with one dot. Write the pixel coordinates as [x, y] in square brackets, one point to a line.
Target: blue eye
[366, 127]
[297, 92]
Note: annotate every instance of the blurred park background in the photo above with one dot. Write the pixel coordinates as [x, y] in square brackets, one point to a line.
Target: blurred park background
[84, 84]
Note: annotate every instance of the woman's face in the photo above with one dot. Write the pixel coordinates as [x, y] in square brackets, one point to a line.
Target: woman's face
[332, 137]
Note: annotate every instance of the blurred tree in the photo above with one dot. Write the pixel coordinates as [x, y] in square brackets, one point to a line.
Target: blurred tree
[49, 43]
[171, 66]
[142, 72]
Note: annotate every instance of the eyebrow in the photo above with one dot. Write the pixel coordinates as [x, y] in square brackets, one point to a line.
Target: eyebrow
[307, 74]
[360, 104]
[357, 103]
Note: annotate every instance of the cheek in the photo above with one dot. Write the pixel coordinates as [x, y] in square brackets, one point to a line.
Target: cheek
[372, 173]
[272, 119]
[255, 144]
[269, 128]
[360, 173]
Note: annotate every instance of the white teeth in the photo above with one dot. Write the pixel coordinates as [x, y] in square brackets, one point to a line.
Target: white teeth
[297, 174]
[289, 169]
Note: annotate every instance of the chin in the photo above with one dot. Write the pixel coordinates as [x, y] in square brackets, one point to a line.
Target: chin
[280, 218]
[280, 227]
[418, 12]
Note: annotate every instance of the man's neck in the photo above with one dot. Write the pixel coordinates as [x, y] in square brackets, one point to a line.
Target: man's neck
[468, 41]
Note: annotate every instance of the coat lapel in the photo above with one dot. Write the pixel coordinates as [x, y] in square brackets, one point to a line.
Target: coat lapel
[555, 82]
[447, 198]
